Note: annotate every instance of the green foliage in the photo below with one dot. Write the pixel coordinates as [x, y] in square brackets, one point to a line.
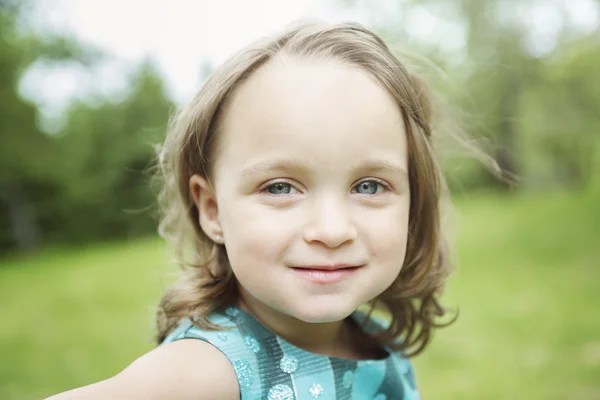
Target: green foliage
[25, 153]
[86, 182]
[90, 181]
[534, 110]
[526, 290]
[561, 116]
[110, 148]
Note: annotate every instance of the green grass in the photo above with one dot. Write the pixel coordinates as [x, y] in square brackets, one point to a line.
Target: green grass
[527, 293]
[527, 289]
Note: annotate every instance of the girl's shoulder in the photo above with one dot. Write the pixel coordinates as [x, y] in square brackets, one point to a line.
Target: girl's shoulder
[182, 369]
[187, 368]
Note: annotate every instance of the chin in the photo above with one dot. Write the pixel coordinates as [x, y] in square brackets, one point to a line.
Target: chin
[323, 313]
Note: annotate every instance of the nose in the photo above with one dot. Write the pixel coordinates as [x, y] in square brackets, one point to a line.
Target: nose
[329, 223]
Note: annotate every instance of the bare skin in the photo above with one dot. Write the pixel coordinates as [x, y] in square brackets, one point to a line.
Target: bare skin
[186, 369]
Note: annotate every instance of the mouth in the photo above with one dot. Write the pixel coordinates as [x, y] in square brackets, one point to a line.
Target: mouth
[329, 274]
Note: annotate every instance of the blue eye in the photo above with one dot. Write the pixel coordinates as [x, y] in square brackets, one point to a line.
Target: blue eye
[279, 188]
[369, 187]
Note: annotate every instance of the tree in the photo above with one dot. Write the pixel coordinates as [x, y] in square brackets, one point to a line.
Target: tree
[110, 147]
[84, 182]
[25, 152]
[496, 66]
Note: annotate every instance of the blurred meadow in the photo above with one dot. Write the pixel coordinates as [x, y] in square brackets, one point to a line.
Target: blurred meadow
[81, 268]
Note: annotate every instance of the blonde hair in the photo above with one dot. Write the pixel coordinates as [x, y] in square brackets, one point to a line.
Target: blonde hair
[208, 284]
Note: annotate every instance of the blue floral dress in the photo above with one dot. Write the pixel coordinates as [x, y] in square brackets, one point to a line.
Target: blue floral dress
[269, 368]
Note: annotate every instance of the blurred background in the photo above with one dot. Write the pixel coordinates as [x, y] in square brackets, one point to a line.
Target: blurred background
[87, 88]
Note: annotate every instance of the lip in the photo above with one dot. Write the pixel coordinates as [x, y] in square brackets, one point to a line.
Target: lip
[328, 267]
[324, 275]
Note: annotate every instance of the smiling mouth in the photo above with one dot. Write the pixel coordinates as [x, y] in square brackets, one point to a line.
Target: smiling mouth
[326, 275]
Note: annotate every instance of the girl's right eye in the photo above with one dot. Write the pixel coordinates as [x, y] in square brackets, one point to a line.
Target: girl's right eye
[279, 188]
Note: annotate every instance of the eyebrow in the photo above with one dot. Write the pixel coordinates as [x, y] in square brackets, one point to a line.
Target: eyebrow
[288, 166]
[284, 166]
[380, 165]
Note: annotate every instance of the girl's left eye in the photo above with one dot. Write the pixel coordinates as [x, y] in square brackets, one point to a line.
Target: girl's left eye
[370, 187]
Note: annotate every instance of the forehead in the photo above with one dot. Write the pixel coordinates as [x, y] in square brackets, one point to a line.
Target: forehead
[317, 111]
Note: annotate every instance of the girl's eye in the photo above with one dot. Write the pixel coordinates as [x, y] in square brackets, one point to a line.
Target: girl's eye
[280, 188]
[369, 187]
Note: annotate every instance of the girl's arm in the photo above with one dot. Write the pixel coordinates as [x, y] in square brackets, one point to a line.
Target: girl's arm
[185, 369]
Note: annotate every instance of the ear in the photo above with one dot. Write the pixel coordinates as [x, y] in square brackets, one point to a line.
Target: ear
[205, 200]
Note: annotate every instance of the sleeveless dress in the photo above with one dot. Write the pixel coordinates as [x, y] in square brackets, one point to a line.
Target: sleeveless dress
[269, 368]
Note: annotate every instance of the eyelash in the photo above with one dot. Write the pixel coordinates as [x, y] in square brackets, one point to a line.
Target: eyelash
[386, 187]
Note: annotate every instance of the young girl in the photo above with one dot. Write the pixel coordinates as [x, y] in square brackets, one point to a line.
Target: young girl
[302, 182]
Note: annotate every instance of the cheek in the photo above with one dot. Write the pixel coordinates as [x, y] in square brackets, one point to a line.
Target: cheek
[388, 235]
[255, 233]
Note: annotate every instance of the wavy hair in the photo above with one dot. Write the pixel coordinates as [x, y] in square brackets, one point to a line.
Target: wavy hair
[207, 282]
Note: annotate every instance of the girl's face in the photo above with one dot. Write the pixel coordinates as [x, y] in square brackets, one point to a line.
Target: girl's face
[312, 192]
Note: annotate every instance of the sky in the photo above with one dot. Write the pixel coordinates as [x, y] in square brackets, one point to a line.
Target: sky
[182, 35]
[179, 35]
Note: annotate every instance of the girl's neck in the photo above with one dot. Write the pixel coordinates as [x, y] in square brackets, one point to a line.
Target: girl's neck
[342, 339]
